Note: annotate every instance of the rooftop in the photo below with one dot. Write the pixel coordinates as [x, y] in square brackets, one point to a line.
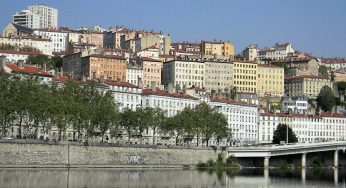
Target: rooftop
[305, 76]
[167, 94]
[119, 83]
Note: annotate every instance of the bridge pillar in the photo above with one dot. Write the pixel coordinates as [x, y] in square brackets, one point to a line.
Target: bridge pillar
[266, 162]
[304, 160]
[336, 159]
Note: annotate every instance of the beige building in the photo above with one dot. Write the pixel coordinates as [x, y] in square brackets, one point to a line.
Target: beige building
[219, 48]
[15, 30]
[184, 73]
[245, 76]
[151, 71]
[45, 46]
[270, 80]
[308, 85]
[218, 75]
[162, 42]
[299, 66]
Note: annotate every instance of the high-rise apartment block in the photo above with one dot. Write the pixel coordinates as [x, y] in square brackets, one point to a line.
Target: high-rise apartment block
[37, 17]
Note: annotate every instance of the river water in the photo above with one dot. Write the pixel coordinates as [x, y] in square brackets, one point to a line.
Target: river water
[167, 178]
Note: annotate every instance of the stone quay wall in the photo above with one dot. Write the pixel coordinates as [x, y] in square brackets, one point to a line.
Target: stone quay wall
[23, 153]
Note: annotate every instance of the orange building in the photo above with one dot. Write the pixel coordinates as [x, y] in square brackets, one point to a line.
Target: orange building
[151, 71]
[102, 66]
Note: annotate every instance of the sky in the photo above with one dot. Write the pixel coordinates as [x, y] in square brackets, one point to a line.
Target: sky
[313, 26]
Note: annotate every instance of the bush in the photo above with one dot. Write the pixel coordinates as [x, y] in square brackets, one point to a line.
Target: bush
[231, 161]
[186, 167]
[201, 165]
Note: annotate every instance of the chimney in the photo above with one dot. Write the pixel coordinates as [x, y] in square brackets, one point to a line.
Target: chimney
[170, 88]
[44, 66]
[140, 82]
[20, 63]
[177, 88]
[184, 89]
[213, 93]
[153, 86]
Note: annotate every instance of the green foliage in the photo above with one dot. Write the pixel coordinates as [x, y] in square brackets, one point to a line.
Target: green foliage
[317, 162]
[326, 99]
[19, 48]
[219, 164]
[38, 59]
[281, 132]
[341, 86]
[323, 71]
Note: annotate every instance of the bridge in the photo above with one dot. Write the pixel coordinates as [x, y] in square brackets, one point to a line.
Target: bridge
[285, 150]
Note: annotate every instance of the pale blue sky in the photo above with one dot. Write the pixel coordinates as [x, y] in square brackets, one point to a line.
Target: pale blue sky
[316, 26]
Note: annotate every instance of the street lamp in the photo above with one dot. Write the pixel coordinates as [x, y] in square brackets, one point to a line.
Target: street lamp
[286, 134]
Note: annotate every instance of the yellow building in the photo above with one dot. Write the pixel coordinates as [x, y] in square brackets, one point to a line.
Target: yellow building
[270, 80]
[245, 76]
[219, 48]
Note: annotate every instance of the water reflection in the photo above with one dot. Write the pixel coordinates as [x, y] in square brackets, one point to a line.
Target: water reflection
[86, 178]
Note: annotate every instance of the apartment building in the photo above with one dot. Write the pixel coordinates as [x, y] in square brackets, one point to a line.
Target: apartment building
[308, 85]
[99, 66]
[270, 80]
[59, 38]
[242, 120]
[245, 76]
[45, 46]
[219, 48]
[218, 75]
[184, 73]
[151, 71]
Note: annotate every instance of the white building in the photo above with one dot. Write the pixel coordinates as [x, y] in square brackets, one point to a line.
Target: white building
[308, 128]
[48, 15]
[58, 38]
[278, 51]
[44, 45]
[128, 95]
[242, 120]
[27, 18]
[184, 72]
[334, 63]
[13, 56]
[250, 53]
[294, 105]
[133, 73]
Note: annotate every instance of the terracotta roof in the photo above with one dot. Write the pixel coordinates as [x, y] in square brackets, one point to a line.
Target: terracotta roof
[333, 60]
[305, 76]
[271, 66]
[28, 70]
[19, 52]
[116, 49]
[107, 56]
[323, 114]
[165, 93]
[60, 78]
[150, 59]
[196, 88]
[119, 83]
[332, 115]
[230, 101]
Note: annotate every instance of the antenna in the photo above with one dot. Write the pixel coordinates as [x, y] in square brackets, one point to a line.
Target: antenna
[139, 22]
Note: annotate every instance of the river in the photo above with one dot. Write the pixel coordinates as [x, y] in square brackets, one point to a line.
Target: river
[87, 178]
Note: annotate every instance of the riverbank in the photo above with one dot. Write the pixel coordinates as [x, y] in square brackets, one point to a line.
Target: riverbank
[40, 154]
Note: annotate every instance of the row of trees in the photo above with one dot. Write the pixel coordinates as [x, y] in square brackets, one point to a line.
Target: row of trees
[54, 62]
[4, 46]
[89, 110]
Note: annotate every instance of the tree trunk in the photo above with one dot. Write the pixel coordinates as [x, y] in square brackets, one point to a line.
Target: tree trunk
[129, 137]
[20, 127]
[154, 132]
[197, 138]
[176, 140]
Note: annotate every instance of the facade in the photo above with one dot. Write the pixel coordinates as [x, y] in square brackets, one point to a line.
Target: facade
[184, 73]
[14, 56]
[298, 105]
[43, 45]
[250, 53]
[151, 71]
[270, 80]
[245, 76]
[160, 41]
[308, 128]
[278, 51]
[241, 118]
[134, 74]
[58, 38]
[27, 19]
[299, 66]
[48, 16]
[15, 30]
[98, 66]
[150, 52]
[128, 95]
[186, 46]
[218, 75]
[334, 63]
[87, 37]
[72, 65]
[219, 48]
[308, 86]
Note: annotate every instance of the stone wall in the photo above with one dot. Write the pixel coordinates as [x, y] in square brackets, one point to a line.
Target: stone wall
[52, 154]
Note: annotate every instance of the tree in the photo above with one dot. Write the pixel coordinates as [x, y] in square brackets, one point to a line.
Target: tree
[56, 62]
[326, 99]
[38, 59]
[281, 132]
[323, 71]
[158, 120]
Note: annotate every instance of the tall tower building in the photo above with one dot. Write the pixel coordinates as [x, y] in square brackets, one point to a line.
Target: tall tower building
[37, 17]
